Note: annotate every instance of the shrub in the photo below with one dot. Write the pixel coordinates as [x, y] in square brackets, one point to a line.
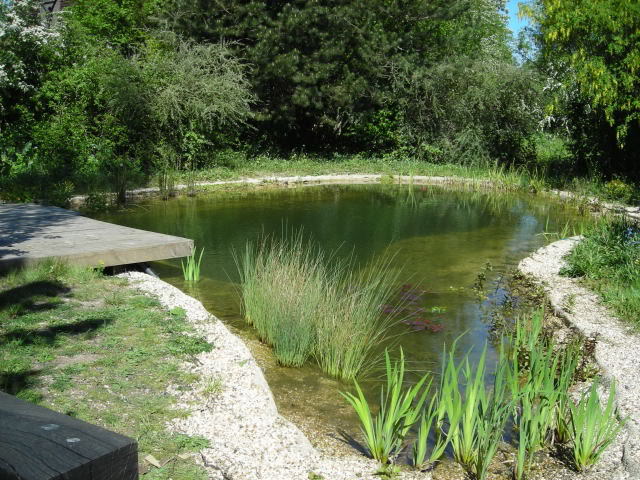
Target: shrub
[619, 190]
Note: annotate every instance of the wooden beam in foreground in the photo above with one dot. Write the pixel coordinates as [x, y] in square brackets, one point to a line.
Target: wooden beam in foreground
[39, 444]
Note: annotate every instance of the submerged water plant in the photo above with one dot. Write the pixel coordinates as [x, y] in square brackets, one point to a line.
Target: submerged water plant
[191, 268]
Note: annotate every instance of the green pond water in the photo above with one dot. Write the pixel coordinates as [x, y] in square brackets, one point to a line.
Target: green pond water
[439, 238]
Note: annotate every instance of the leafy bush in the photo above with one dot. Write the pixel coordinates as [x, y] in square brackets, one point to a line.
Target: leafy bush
[619, 190]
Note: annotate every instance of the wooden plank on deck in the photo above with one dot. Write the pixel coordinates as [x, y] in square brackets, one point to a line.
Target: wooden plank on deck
[30, 233]
[39, 444]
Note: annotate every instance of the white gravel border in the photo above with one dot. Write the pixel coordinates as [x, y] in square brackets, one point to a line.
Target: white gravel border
[249, 440]
[617, 349]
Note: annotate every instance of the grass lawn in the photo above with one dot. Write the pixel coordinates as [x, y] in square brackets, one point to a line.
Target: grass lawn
[85, 345]
[608, 259]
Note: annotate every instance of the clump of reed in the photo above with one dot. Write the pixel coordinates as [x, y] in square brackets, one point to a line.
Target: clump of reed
[530, 388]
[307, 305]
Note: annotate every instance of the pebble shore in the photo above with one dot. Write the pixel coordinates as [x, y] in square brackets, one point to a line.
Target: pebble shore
[617, 351]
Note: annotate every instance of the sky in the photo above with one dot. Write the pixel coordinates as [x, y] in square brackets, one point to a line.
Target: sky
[515, 24]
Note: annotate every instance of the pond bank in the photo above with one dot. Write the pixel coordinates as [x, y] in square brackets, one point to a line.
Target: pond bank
[249, 439]
[362, 179]
[616, 350]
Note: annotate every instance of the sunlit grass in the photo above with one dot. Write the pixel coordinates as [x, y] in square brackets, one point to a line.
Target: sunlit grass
[86, 345]
[608, 258]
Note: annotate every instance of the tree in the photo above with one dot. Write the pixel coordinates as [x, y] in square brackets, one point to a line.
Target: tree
[27, 46]
[593, 47]
[322, 70]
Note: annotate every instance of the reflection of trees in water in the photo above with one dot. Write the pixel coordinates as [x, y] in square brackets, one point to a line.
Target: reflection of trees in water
[361, 220]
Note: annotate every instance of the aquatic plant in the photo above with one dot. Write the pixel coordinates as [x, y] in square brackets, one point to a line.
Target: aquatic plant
[350, 326]
[431, 420]
[303, 304]
[283, 287]
[191, 269]
[476, 417]
[408, 307]
[545, 378]
[592, 428]
[400, 407]
[571, 357]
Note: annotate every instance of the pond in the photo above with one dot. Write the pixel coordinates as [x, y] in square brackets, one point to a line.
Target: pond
[441, 239]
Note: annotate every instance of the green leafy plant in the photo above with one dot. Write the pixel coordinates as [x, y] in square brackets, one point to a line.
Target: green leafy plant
[431, 419]
[400, 408]
[476, 417]
[191, 268]
[592, 428]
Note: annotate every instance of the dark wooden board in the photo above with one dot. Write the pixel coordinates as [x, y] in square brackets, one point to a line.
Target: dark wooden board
[39, 444]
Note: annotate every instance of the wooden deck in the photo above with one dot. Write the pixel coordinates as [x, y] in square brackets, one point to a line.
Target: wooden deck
[31, 233]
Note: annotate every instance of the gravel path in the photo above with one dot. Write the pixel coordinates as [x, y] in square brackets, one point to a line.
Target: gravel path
[249, 439]
[617, 350]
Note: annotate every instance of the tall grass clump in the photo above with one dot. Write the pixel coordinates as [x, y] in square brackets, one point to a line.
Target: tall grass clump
[350, 323]
[400, 407]
[305, 304]
[191, 268]
[608, 258]
[283, 286]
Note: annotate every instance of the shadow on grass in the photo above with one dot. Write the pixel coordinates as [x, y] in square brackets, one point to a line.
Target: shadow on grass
[25, 294]
[29, 336]
[16, 382]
